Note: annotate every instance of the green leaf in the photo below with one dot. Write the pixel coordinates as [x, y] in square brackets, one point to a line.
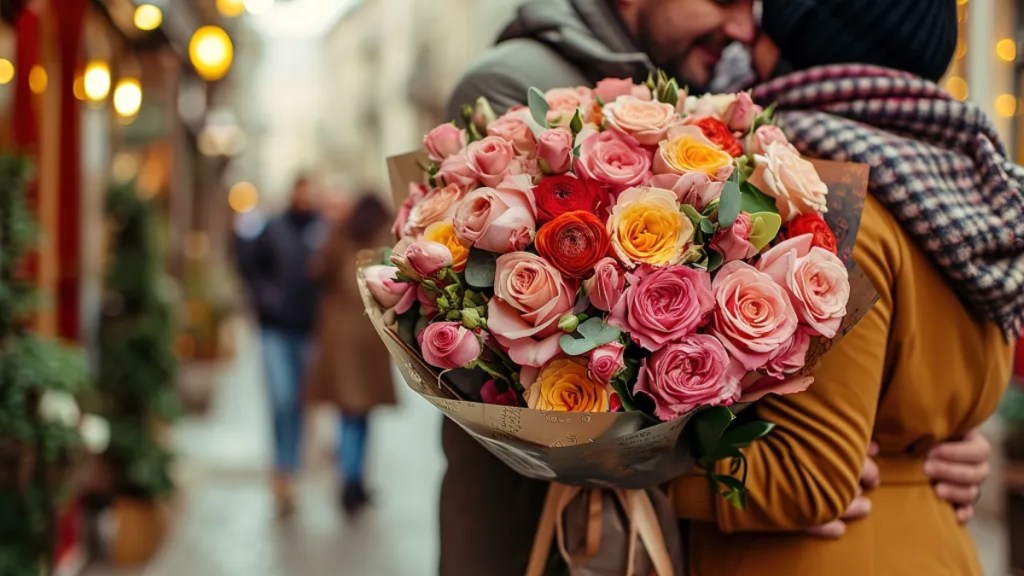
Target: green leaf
[480, 268]
[696, 217]
[765, 117]
[707, 227]
[764, 227]
[715, 260]
[577, 124]
[741, 436]
[753, 200]
[589, 335]
[576, 151]
[538, 106]
[729, 204]
[710, 424]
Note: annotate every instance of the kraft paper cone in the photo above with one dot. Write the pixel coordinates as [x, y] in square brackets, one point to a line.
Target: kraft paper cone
[600, 450]
[403, 170]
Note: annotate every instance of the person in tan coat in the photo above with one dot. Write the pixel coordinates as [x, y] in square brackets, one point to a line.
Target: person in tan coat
[351, 369]
[942, 239]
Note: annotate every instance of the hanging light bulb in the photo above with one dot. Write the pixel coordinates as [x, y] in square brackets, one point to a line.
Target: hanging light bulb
[96, 81]
[211, 52]
[128, 97]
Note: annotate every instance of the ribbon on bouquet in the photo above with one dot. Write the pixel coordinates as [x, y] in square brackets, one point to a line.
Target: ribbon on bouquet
[644, 528]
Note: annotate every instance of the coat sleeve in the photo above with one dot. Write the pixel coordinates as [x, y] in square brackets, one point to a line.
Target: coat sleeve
[807, 471]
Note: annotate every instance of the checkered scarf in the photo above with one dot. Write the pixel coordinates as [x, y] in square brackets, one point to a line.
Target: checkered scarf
[936, 164]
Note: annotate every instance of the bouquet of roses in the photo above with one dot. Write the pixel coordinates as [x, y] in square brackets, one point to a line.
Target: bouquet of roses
[582, 280]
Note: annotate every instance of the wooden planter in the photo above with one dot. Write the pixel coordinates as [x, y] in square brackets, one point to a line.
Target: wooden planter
[140, 527]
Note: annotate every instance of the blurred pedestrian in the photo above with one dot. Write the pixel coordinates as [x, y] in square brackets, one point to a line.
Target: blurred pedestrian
[351, 367]
[275, 265]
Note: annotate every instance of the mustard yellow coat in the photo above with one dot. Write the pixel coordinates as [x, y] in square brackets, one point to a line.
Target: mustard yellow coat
[917, 370]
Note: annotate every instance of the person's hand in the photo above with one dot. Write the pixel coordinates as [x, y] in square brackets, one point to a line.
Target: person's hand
[861, 505]
[957, 468]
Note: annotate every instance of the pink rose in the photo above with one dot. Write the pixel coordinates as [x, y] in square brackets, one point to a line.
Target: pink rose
[696, 371]
[424, 258]
[646, 121]
[385, 288]
[607, 361]
[512, 129]
[498, 219]
[693, 188]
[437, 205]
[816, 280]
[491, 159]
[554, 147]
[416, 193]
[490, 395]
[753, 316]
[609, 89]
[793, 181]
[765, 135]
[733, 243]
[448, 345]
[530, 296]
[607, 284]
[664, 304]
[791, 357]
[444, 141]
[456, 170]
[739, 116]
[564, 102]
[613, 159]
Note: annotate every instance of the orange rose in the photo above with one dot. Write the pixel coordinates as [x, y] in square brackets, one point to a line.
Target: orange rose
[646, 227]
[573, 243]
[564, 385]
[689, 150]
[444, 233]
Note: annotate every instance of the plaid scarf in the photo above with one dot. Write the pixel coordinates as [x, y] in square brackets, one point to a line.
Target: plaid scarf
[936, 164]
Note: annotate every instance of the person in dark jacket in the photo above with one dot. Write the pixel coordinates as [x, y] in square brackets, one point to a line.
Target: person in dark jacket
[488, 513]
[275, 265]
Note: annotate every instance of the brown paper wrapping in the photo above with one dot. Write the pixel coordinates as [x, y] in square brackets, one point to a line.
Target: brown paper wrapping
[599, 450]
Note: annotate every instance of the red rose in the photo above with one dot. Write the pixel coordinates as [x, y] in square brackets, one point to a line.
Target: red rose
[557, 195]
[573, 243]
[814, 225]
[719, 133]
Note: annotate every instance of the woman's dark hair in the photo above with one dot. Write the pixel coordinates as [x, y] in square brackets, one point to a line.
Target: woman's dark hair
[369, 216]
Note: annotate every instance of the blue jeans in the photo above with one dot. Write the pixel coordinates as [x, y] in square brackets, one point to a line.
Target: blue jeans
[284, 359]
[352, 447]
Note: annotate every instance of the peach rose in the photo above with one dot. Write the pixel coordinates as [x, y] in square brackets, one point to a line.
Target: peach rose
[563, 385]
[456, 170]
[512, 128]
[444, 141]
[564, 102]
[793, 181]
[498, 219]
[689, 150]
[436, 205]
[754, 316]
[530, 296]
[646, 121]
[609, 89]
[647, 227]
[766, 135]
[816, 280]
[491, 159]
[554, 147]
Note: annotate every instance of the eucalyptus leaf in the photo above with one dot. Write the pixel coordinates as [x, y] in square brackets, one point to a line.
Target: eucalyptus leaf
[707, 227]
[715, 260]
[589, 335]
[692, 213]
[741, 436]
[729, 203]
[538, 106]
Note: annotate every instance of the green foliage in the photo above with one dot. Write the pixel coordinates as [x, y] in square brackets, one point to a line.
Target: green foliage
[137, 364]
[34, 453]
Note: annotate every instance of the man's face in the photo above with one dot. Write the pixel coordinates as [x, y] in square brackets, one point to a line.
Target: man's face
[686, 37]
[303, 199]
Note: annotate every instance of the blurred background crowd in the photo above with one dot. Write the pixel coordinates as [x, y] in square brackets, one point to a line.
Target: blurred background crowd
[164, 151]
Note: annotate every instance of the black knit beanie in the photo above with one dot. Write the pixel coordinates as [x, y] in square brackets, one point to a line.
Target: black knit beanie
[916, 36]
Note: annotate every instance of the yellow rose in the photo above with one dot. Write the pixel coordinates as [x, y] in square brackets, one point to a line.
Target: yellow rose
[688, 150]
[444, 233]
[564, 385]
[647, 227]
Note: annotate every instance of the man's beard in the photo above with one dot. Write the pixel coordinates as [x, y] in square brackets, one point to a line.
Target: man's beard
[669, 59]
